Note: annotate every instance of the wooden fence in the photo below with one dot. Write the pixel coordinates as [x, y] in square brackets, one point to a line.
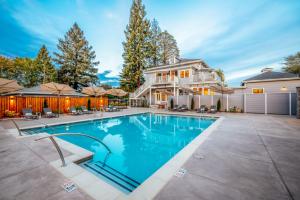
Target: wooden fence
[36, 103]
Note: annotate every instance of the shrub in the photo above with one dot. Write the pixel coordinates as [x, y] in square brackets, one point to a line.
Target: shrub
[89, 104]
[219, 105]
[172, 103]
[192, 104]
[45, 103]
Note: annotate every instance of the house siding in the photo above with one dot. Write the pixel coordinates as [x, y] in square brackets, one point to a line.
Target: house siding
[271, 87]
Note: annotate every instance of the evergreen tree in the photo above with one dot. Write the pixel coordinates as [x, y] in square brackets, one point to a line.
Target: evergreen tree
[29, 73]
[155, 53]
[7, 68]
[136, 48]
[76, 60]
[168, 48]
[44, 65]
[292, 64]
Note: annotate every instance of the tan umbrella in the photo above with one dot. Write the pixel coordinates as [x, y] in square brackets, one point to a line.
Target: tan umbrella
[9, 86]
[58, 89]
[116, 92]
[166, 92]
[94, 91]
[222, 89]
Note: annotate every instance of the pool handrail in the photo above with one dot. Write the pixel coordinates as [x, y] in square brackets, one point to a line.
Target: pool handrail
[51, 137]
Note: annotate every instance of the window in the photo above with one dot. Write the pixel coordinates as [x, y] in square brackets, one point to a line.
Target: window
[200, 91]
[157, 96]
[187, 73]
[163, 97]
[181, 74]
[257, 90]
[206, 92]
[197, 91]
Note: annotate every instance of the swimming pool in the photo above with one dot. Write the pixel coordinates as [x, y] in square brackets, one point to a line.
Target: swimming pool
[140, 144]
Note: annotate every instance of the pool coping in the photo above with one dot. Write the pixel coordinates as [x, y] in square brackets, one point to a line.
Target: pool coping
[99, 188]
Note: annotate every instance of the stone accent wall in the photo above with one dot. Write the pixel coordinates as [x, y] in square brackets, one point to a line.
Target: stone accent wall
[298, 102]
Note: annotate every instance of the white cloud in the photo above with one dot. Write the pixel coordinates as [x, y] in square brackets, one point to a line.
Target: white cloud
[250, 71]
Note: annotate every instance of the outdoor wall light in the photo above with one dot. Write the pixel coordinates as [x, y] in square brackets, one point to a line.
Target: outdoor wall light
[283, 88]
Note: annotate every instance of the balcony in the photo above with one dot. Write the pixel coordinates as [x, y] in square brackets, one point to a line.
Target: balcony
[165, 80]
[203, 78]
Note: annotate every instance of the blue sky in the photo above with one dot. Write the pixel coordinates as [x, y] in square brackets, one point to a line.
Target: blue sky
[240, 37]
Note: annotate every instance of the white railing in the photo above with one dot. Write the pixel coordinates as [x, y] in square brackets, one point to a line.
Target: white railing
[140, 89]
[202, 78]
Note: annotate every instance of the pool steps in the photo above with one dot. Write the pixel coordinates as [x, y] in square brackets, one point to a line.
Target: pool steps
[112, 175]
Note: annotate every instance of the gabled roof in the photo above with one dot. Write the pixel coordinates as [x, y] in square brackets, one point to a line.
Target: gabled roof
[37, 91]
[270, 75]
[180, 62]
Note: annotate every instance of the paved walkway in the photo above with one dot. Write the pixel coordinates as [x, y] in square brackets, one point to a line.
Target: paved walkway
[25, 172]
[247, 157]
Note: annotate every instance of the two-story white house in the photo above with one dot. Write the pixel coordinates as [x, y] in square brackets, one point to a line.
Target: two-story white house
[181, 77]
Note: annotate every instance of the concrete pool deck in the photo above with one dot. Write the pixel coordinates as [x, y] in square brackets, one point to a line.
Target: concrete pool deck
[247, 157]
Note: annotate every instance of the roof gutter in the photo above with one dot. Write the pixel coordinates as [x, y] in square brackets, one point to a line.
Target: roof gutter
[272, 80]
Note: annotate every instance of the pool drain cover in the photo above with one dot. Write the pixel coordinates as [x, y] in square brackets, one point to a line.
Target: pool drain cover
[69, 186]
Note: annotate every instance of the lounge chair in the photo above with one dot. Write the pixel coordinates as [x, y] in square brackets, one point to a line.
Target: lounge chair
[183, 108]
[111, 109]
[85, 110]
[48, 113]
[175, 108]
[73, 111]
[202, 109]
[27, 113]
[213, 109]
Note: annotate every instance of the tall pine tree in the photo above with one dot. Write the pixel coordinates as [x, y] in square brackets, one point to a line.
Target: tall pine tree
[76, 60]
[168, 47]
[154, 51]
[136, 48]
[43, 62]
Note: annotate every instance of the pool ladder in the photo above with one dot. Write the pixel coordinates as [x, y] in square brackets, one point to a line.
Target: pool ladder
[51, 137]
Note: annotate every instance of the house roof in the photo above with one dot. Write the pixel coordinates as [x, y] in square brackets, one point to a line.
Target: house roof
[270, 75]
[180, 61]
[38, 91]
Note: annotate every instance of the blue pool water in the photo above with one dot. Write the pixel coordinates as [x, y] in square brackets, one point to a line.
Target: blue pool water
[140, 144]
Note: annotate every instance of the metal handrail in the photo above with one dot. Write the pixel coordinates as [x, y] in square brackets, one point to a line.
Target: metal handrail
[51, 137]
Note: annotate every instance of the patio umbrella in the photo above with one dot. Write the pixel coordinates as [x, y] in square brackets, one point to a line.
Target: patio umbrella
[9, 86]
[94, 91]
[221, 89]
[116, 92]
[58, 89]
[166, 92]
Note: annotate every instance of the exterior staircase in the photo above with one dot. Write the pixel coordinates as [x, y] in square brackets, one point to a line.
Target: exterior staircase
[140, 91]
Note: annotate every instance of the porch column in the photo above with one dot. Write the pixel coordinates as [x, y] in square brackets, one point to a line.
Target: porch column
[150, 100]
[290, 103]
[174, 88]
[227, 106]
[199, 100]
[177, 96]
[266, 104]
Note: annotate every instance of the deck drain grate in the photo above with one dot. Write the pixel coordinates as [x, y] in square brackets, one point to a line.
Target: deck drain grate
[180, 173]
